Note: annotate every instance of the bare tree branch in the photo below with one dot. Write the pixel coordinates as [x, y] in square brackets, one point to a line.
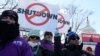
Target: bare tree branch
[77, 16]
[9, 4]
[83, 19]
[5, 4]
[14, 7]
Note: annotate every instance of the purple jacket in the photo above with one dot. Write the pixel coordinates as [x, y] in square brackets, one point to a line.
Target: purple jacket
[47, 45]
[19, 47]
[97, 49]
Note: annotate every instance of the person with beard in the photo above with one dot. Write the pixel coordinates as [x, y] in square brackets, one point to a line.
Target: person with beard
[10, 42]
[72, 47]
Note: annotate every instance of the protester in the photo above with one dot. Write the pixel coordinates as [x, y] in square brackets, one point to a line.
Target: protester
[34, 42]
[47, 44]
[57, 44]
[10, 42]
[72, 46]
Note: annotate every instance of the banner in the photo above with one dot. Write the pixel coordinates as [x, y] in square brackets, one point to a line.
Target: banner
[37, 15]
[90, 37]
[63, 23]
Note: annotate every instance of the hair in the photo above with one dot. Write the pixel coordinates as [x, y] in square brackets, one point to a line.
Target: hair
[33, 36]
[48, 33]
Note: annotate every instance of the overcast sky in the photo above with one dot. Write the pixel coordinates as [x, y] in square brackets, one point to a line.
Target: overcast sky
[90, 5]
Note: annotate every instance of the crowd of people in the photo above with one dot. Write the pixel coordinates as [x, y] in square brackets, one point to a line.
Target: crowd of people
[11, 44]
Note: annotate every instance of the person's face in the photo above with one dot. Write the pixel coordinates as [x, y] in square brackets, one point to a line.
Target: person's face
[34, 40]
[8, 19]
[48, 37]
[75, 42]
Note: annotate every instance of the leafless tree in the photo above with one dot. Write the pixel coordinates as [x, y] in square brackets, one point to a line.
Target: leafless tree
[77, 16]
[8, 4]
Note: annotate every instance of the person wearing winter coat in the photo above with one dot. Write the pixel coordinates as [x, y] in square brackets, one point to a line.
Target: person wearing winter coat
[34, 42]
[72, 46]
[47, 44]
[11, 44]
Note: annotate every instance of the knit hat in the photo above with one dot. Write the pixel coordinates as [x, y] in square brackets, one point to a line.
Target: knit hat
[10, 13]
[34, 32]
[72, 36]
[48, 33]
